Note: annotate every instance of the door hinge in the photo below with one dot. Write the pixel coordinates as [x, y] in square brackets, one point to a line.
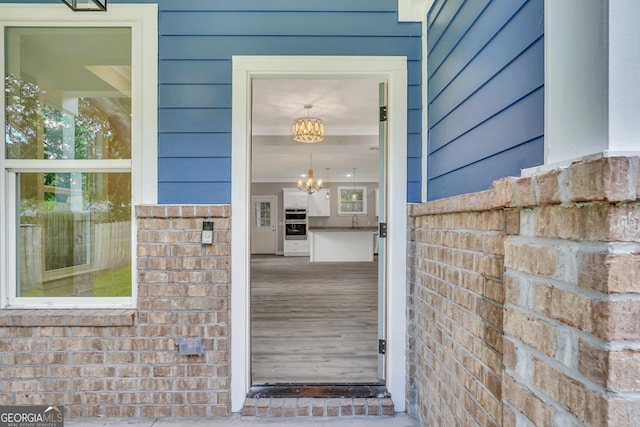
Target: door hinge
[382, 231]
[383, 113]
[382, 346]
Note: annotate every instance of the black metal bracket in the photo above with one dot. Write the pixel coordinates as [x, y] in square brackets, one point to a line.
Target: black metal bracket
[383, 114]
[382, 231]
[382, 346]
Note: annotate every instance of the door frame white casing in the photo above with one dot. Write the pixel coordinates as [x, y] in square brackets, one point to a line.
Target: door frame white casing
[393, 69]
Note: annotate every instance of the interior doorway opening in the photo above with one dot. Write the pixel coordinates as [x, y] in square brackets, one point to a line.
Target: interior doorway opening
[247, 68]
[315, 300]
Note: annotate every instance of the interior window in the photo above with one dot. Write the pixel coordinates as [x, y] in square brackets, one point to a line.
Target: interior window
[352, 200]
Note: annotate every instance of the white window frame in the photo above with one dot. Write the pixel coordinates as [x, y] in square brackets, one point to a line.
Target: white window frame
[143, 21]
[364, 200]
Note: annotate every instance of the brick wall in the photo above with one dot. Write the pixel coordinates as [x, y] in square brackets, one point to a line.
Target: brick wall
[570, 354]
[572, 286]
[124, 363]
[455, 306]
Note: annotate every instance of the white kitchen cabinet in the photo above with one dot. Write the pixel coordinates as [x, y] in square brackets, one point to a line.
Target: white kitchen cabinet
[295, 199]
[319, 204]
[341, 245]
[296, 247]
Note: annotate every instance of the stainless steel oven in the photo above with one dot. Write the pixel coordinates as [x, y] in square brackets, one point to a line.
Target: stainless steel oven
[295, 224]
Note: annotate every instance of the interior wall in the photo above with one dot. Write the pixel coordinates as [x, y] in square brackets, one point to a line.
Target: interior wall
[335, 220]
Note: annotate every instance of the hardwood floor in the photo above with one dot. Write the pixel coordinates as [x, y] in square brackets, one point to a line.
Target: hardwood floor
[313, 322]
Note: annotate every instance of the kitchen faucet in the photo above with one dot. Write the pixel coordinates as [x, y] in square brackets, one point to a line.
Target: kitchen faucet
[354, 221]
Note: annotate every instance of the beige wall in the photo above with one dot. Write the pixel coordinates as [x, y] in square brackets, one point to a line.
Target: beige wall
[335, 220]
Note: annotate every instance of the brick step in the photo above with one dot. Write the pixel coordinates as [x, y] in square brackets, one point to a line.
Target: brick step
[291, 407]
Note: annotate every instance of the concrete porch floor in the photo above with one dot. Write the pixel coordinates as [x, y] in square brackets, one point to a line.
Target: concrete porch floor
[236, 420]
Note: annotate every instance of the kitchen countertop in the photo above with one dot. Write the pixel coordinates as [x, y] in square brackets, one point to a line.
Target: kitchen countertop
[343, 228]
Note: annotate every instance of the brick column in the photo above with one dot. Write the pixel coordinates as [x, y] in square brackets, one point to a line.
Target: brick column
[552, 338]
[572, 311]
[183, 292]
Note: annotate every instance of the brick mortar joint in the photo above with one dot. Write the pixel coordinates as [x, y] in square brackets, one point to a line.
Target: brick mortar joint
[612, 345]
[177, 211]
[572, 374]
[69, 317]
[510, 199]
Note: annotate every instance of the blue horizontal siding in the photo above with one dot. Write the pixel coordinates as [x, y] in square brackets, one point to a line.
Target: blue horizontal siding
[445, 16]
[194, 192]
[481, 174]
[414, 121]
[486, 26]
[524, 75]
[275, 5]
[485, 93]
[198, 38]
[194, 71]
[414, 97]
[414, 145]
[193, 169]
[522, 122]
[224, 47]
[254, 5]
[414, 191]
[194, 145]
[414, 164]
[195, 96]
[514, 38]
[414, 72]
[434, 13]
[455, 30]
[194, 120]
[355, 24]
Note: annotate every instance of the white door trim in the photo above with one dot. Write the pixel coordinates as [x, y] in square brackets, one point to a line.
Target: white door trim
[394, 70]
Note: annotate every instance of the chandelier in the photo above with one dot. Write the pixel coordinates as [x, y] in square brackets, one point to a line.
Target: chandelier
[309, 185]
[307, 129]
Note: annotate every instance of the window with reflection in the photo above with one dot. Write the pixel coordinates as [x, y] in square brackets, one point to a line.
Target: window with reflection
[68, 146]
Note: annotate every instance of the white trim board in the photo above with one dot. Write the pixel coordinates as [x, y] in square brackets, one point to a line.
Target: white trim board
[413, 10]
[392, 69]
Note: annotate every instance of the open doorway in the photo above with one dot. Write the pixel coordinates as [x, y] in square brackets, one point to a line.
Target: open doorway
[245, 70]
[316, 304]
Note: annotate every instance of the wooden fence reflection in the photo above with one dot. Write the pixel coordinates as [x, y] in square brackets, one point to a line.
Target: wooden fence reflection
[65, 247]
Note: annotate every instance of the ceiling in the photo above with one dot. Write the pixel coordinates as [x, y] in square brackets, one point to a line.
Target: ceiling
[349, 109]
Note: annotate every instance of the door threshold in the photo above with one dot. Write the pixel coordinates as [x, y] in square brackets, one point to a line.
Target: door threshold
[372, 390]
